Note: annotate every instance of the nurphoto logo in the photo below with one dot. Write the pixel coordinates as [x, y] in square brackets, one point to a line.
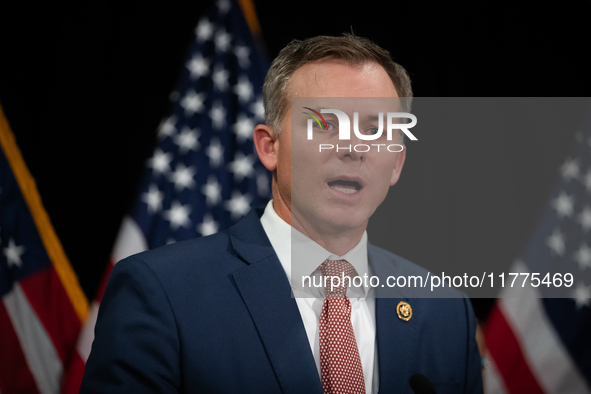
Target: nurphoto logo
[393, 120]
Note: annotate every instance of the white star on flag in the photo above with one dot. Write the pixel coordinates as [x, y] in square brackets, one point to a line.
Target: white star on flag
[242, 166]
[582, 295]
[167, 128]
[244, 89]
[193, 102]
[215, 152]
[187, 139]
[178, 215]
[564, 205]
[556, 242]
[220, 78]
[160, 162]
[198, 66]
[222, 40]
[212, 191]
[585, 218]
[182, 177]
[242, 53]
[262, 184]
[204, 30]
[258, 109]
[223, 6]
[13, 254]
[583, 256]
[238, 205]
[570, 169]
[218, 115]
[208, 226]
[153, 197]
[243, 128]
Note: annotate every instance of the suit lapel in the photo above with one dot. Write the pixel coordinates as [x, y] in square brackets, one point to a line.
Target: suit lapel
[267, 295]
[397, 345]
[396, 339]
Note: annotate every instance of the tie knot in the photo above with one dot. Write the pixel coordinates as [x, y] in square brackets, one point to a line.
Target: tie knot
[337, 277]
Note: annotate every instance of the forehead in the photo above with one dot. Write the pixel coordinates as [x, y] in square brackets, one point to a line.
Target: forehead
[337, 78]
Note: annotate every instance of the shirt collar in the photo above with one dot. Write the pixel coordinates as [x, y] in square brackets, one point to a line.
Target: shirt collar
[300, 256]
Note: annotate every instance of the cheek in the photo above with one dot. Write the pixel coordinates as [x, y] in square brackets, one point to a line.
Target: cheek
[383, 174]
[307, 161]
[382, 164]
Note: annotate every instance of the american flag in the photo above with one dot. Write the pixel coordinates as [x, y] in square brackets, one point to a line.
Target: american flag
[543, 345]
[204, 174]
[42, 305]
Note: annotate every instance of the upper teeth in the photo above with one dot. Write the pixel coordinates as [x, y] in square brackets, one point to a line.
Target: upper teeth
[345, 190]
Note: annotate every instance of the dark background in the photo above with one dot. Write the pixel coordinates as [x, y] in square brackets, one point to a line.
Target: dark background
[84, 87]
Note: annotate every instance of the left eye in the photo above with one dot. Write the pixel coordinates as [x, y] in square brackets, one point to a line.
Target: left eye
[373, 131]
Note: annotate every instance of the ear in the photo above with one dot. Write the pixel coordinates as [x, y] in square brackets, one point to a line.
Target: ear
[264, 142]
[400, 157]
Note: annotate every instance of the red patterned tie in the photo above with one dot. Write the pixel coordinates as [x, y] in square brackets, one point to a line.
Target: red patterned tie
[340, 364]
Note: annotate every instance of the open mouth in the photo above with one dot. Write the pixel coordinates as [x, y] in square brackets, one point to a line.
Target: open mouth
[347, 187]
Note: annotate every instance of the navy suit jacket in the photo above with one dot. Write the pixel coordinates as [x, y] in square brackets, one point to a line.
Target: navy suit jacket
[215, 315]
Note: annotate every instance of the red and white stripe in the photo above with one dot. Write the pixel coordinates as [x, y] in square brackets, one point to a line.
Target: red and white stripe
[526, 353]
[129, 241]
[39, 328]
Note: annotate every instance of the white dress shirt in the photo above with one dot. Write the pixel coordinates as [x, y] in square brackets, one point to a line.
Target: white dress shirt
[307, 256]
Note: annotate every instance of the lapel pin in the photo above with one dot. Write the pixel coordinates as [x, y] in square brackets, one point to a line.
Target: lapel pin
[404, 311]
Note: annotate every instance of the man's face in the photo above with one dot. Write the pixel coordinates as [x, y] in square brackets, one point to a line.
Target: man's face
[332, 192]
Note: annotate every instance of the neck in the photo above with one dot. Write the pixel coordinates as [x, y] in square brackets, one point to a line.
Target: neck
[336, 241]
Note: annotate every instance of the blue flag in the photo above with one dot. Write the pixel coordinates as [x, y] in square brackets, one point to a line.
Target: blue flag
[204, 174]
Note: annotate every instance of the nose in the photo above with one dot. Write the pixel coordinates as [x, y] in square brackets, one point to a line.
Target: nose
[354, 149]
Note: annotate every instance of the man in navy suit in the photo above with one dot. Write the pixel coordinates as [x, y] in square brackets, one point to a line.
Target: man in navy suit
[217, 315]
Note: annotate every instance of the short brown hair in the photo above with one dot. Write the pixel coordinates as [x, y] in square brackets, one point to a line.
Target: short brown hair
[347, 47]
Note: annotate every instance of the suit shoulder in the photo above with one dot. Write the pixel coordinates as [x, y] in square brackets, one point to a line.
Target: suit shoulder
[386, 263]
[381, 255]
[184, 255]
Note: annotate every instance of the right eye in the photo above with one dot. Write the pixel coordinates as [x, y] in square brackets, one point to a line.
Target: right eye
[322, 126]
